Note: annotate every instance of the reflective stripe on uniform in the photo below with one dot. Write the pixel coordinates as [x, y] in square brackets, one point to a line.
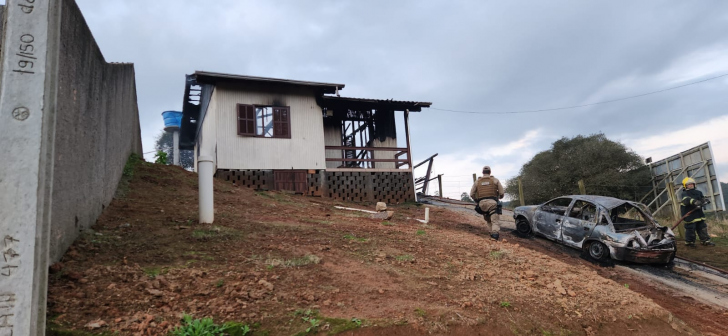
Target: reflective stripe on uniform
[695, 220]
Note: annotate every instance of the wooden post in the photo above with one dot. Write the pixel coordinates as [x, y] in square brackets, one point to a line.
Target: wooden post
[675, 207]
[582, 188]
[520, 192]
[475, 177]
[407, 135]
[439, 182]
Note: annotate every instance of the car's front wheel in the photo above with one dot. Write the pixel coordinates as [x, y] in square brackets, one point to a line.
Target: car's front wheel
[598, 251]
[523, 227]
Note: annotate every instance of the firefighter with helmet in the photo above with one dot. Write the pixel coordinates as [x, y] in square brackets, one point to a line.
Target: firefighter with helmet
[486, 192]
[693, 200]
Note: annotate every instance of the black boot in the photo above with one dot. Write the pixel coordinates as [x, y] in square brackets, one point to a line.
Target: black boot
[690, 244]
[708, 243]
[494, 236]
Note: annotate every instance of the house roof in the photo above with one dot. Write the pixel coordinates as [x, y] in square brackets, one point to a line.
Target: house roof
[333, 102]
[214, 78]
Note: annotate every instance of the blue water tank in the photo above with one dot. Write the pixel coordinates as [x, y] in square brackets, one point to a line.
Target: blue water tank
[172, 119]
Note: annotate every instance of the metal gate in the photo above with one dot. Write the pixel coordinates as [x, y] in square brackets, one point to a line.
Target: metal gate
[291, 180]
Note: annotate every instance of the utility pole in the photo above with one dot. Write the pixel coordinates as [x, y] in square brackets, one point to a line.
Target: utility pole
[439, 182]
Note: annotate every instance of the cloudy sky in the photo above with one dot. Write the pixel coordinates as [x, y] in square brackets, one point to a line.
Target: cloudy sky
[486, 56]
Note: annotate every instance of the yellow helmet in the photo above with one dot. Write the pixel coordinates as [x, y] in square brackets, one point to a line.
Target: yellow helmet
[687, 180]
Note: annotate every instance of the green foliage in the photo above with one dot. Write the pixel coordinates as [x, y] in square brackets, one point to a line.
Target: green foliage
[153, 272]
[314, 323]
[495, 255]
[352, 237]
[207, 327]
[420, 312]
[220, 283]
[626, 286]
[505, 304]
[607, 167]
[466, 198]
[421, 232]
[131, 164]
[165, 143]
[405, 257]
[160, 157]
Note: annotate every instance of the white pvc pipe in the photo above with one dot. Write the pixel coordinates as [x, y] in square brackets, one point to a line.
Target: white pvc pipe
[175, 151]
[204, 174]
[427, 215]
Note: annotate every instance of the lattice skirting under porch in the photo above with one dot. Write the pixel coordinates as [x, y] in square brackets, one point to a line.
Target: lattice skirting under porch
[256, 179]
[355, 186]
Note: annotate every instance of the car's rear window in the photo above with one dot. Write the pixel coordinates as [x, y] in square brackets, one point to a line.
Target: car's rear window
[628, 217]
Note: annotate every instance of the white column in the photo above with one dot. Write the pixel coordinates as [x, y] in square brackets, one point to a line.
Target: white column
[204, 174]
[27, 126]
[175, 151]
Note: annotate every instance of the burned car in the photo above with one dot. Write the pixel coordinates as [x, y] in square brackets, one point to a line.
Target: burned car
[603, 227]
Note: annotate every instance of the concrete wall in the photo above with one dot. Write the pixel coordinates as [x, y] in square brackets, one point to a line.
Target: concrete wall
[97, 128]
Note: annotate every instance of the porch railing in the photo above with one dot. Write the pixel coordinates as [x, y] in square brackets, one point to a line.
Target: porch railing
[398, 161]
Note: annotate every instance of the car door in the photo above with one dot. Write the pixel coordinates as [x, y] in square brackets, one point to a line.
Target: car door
[549, 217]
[580, 221]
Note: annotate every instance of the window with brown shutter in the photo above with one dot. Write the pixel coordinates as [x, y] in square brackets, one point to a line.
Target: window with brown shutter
[281, 122]
[264, 121]
[246, 120]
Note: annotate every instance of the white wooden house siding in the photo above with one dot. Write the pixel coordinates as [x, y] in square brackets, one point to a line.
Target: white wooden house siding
[305, 148]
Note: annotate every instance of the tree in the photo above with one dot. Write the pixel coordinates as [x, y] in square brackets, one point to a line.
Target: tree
[608, 168]
[465, 197]
[165, 143]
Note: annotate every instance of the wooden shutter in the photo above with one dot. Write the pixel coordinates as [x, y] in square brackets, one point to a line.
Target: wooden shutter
[246, 120]
[281, 122]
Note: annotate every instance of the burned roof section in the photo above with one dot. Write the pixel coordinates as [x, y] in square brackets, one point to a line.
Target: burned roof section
[334, 103]
[214, 78]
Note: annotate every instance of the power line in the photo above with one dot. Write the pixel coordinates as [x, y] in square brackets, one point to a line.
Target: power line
[582, 105]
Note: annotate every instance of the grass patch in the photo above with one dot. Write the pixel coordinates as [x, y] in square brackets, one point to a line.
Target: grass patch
[153, 272]
[208, 327]
[505, 304]
[386, 223]
[215, 232]
[352, 237]
[420, 312]
[313, 322]
[420, 233]
[317, 221]
[295, 262]
[127, 174]
[496, 255]
[405, 257]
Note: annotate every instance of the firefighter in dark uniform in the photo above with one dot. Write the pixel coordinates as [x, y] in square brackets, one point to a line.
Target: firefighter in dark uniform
[692, 200]
[487, 192]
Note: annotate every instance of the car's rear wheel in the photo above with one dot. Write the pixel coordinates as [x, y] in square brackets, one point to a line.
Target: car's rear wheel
[523, 227]
[598, 251]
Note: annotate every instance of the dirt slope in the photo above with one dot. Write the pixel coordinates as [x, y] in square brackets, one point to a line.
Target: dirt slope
[271, 256]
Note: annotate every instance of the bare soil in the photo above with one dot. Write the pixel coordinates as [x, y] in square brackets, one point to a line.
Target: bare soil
[273, 258]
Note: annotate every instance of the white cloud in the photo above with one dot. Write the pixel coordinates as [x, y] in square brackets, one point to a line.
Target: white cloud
[505, 160]
[669, 143]
[702, 63]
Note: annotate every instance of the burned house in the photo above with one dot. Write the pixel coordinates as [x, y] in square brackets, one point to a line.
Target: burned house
[280, 134]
